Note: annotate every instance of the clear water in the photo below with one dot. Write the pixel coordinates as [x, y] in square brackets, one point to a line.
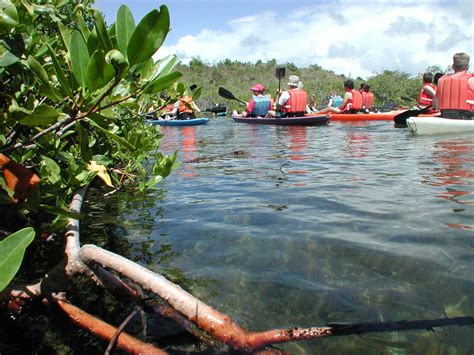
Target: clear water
[304, 226]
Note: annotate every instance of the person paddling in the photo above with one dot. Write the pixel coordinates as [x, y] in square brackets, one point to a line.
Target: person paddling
[351, 102]
[455, 94]
[292, 102]
[427, 93]
[259, 105]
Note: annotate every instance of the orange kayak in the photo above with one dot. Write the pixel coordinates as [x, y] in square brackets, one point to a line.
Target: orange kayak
[371, 116]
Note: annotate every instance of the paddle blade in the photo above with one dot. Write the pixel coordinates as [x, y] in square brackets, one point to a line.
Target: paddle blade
[401, 118]
[280, 72]
[226, 94]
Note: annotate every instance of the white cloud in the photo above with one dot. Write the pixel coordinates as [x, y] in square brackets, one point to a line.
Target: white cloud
[356, 38]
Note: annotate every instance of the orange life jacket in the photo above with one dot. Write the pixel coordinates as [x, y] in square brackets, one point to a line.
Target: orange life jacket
[185, 104]
[297, 101]
[355, 103]
[454, 92]
[364, 98]
[424, 98]
[369, 103]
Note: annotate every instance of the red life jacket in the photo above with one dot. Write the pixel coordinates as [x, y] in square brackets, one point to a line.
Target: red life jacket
[355, 103]
[364, 98]
[297, 101]
[454, 92]
[185, 104]
[370, 100]
[424, 98]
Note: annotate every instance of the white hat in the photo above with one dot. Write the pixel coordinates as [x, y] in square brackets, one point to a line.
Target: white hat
[293, 80]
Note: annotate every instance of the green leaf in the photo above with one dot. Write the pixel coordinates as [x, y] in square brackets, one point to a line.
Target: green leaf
[8, 14]
[82, 25]
[162, 83]
[119, 140]
[92, 42]
[61, 211]
[99, 72]
[12, 250]
[163, 66]
[79, 58]
[50, 170]
[6, 57]
[83, 136]
[60, 73]
[40, 72]
[124, 26]
[148, 36]
[196, 94]
[102, 34]
[65, 35]
[42, 116]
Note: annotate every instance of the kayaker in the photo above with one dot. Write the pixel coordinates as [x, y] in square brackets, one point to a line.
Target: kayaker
[427, 92]
[184, 108]
[292, 102]
[351, 102]
[368, 98]
[455, 94]
[436, 78]
[259, 105]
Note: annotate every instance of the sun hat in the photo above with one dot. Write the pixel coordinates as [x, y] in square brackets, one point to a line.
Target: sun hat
[293, 80]
[258, 87]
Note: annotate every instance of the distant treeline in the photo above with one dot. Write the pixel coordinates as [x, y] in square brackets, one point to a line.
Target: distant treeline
[389, 87]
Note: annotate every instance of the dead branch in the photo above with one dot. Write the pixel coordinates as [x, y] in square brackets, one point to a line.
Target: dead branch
[105, 330]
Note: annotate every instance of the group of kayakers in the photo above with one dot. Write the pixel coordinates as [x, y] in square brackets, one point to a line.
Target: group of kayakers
[183, 108]
[293, 102]
[452, 95]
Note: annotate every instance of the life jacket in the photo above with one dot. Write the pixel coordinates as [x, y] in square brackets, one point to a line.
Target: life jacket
[336, 101]
[261, 105]
[364, 98]
[454, 92]
[185, 104]
[369, 103]
[355, 103]
[425, 99]
[297, 101]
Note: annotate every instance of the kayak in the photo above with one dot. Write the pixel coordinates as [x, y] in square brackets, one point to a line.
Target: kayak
[371, 116]
[191, 122]
[307, 120]
[438, 125]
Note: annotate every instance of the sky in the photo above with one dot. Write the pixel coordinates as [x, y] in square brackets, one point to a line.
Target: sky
[354, 38]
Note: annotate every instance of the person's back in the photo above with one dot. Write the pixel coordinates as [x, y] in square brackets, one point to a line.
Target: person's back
[293, 101]
[335, 100]
[369, 98]
[427, 92]
[455, 95]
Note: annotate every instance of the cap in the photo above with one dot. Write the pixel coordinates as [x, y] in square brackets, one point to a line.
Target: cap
[258, 87]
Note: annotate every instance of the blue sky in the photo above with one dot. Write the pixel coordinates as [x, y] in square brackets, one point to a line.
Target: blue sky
[355, 38]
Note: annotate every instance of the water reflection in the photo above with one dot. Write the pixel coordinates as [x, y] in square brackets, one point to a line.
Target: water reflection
[354, 238]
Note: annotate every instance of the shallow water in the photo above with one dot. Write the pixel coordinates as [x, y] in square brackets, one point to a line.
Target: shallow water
[304, 226]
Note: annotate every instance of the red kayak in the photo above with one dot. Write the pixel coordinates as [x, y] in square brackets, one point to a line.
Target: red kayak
[371, 116]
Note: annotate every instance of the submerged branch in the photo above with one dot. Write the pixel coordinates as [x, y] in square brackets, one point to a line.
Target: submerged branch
[105, 330]
[222, 327]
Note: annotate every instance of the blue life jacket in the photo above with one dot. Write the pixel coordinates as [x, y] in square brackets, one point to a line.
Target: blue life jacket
[336, 101]
[262, 105]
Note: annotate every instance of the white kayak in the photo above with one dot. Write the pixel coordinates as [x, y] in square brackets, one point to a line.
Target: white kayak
[438, 125]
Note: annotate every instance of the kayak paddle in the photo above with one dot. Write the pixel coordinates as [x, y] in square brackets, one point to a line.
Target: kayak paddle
[401, 118]
[226, 94]
[216, 109]
[280, 73]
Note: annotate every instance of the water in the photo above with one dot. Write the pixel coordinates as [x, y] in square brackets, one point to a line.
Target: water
[304, 226]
